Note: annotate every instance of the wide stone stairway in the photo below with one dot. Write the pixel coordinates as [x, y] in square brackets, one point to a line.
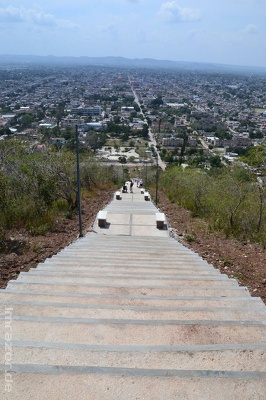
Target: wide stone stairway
[127, 312]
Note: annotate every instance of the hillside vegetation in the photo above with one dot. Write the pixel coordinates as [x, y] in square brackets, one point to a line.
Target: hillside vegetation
[218, 213]
[232, 200]
[37, 188]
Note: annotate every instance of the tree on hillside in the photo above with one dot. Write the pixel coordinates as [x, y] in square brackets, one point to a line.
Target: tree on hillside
[255, 156]
[95, 140]
[145, 131]
[26, 120]
[215, 161]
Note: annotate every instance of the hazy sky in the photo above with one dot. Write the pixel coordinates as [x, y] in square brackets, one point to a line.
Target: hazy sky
[219, 31]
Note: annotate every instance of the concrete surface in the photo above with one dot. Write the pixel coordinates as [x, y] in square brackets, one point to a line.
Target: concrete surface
[126, 312]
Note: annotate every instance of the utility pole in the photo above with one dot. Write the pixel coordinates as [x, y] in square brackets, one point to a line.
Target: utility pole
[157, 177]
[78, 183]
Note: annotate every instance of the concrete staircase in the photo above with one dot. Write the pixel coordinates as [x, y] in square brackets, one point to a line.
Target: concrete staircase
[129, 313]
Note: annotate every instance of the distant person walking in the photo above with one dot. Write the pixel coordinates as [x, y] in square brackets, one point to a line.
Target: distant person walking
[131, 186]
[124, 189]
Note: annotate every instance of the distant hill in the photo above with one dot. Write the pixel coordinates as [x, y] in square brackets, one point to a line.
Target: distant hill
[126, 62]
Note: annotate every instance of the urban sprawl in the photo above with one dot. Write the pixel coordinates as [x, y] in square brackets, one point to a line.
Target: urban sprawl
[129, 115]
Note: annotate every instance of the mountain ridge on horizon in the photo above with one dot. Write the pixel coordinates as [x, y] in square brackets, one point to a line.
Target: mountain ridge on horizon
[119, 61]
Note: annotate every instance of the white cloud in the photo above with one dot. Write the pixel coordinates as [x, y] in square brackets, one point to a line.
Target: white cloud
[122, 2]
[110, 29]
[36, 17]
[11, 14]
[171, 11]
[250, 29]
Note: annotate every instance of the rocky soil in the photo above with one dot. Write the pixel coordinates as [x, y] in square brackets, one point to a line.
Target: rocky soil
[22, 251]
[244, 261]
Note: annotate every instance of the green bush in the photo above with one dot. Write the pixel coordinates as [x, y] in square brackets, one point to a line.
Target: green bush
[36, 187]
[230, 199]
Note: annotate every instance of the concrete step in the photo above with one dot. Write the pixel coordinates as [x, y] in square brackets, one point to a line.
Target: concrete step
[142, 289]
[132, 247]
[127, 258]
[124, 280]
[144, 244]
[66, 383]
[135, 259]
[134, 242]
[139, 253]
[127, 263]
[229, 357]
[149, 271]
[133, 312]
[133, 332]
[120, 315]
[123, 271]
[251, 303]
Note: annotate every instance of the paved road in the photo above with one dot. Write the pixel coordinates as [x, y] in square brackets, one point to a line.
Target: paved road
[153, 142]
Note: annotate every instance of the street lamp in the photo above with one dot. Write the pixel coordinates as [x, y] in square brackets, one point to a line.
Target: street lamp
[144, 173]
[146, 166]
[157, 178]
[157, 174]
[78, 183]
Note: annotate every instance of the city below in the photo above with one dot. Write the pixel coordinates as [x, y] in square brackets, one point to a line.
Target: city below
[131, 114]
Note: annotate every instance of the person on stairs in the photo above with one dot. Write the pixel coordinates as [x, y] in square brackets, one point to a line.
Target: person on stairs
[124, 189]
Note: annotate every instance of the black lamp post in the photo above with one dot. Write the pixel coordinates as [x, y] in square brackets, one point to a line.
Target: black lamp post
[146, 166]
[78, 183]
[157, 178]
